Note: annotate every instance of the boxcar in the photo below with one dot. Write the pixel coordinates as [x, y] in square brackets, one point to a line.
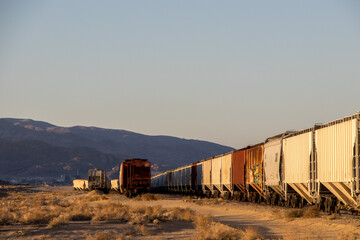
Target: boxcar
[254, 172]
[199, 177]
[206, 184]
[337, 158]
[275, 190]
[135, 176]
[80, 184]
[216, 176]
[238, 174]
[299, 168]
[115, 185]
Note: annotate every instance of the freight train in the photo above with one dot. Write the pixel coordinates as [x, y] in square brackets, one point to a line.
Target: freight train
[315, 166]
[134, 178]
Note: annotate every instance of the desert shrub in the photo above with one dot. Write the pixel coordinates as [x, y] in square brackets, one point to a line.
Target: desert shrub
[110, 211]
[201, 221]
[148, 197]
[6, 217]
[58, 221]
[311, 212]
[347, 236]
[251, 234]
[102, 236]
[294, 213]
[142, 230]
[219, 231]
[36, 216]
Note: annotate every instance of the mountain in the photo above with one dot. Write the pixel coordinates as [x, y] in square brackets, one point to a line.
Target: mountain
[31, 148]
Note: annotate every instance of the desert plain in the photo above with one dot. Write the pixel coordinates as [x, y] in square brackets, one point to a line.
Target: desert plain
[28, 212]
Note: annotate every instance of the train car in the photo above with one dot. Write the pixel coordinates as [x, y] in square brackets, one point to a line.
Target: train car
[206, 176]
[238, 175]
[159, 183]
[299, 167]
[135, 176]
[338, 166]
[254, 156]
[226, 176]
[216, 176]
[115, 186]
[97, 180]
[275, 190]
[197, 178]
[80, 184]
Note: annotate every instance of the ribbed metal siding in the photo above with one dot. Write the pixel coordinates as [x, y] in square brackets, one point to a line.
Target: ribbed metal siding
[254, 165]
[216, 171]
[199, 171]
[207, 172]
[226, 169]
[188, 176]
[177, 179]
[183, 177]
[238, 164]
[296, 157]
[335, 150]
[272, 150]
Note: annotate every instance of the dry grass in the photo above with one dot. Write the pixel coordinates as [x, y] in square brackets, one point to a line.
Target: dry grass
[347, 236]
[148, 197]
[55, 209]
[218, 231]
[101, 236]
[215, 201]
[308, 212]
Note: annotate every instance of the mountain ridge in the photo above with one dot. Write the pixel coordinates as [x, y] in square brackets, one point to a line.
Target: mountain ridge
[165, 152]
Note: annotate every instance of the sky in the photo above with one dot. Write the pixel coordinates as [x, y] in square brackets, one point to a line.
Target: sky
[229, 72]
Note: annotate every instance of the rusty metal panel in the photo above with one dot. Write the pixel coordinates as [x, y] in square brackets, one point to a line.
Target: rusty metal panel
[226, 169]
[135, 175]
[216, 172]
[254, 165]
[272, 151]
[238, 168]
[207, 172]
[335, 146]
[296, 156]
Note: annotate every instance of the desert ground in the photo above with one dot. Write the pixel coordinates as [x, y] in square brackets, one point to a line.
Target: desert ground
[61, 213]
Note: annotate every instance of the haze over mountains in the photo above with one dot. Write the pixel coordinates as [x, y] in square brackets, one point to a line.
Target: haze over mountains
[38, 149]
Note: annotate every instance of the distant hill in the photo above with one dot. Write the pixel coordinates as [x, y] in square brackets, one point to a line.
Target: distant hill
[35, 148]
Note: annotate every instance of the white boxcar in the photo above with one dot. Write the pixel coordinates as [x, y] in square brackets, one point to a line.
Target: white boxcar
[272, 152]
[337, 149]
[115, 185]
[80, 184]
[206, 175]
[297, 151]
[216, 173]
[226, 172]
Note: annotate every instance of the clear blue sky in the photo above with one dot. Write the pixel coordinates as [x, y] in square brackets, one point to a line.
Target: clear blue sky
[231, 72]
